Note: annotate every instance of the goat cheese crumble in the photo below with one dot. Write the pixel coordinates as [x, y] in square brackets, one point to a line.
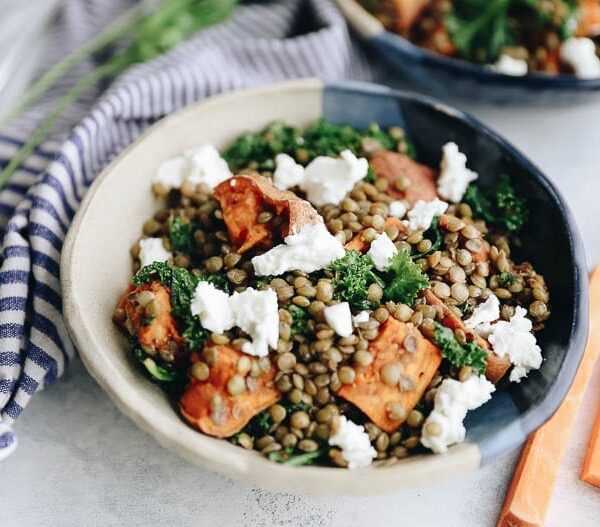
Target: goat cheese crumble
[453, 399]
[510, 66]
[354, 443]
[483, 315]
[256, 313]
[199, 165]
[382, 250]
[152, 250]
[329, 179]
[513, 339]
[287, 173]
[397, 209]
[213, 308]
[360, 318]
[339, 318]
[580, 54]
[310, 249]
[423, 212]
[454, 174]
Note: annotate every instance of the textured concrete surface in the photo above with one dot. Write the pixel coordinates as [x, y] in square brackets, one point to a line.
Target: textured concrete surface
[80, 462]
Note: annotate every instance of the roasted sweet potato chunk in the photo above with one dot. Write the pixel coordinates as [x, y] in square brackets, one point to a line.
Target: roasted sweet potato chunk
[395, 167]
[589, 18]
[153, 325]
[209, 405]
[358, 243]
[496, 366]
[404, 347]
[244, 197]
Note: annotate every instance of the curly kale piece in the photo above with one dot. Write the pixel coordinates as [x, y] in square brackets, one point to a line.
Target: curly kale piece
[353, 274]
[299, 320]
[498, 205]
[181, 234]
[433, 234]
[404, 279]
[459, 355]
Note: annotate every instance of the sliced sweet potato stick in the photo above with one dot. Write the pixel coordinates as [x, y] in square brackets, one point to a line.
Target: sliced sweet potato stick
[394, 167]
[418, 358]
[228, 414]
[244, 197]
[496, 366]
[530, 491]
[358, 243]
[590, 473]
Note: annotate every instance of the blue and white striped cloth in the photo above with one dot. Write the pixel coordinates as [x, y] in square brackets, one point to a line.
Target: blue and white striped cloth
[261, 43]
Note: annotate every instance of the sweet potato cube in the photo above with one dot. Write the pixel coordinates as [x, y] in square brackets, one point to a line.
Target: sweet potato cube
[229, 413]
[394, 166]
[159, 332]
[496, 366]
[244, 197]
[419, 365]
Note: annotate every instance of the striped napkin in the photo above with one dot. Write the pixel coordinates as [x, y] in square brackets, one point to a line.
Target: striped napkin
[262, 43]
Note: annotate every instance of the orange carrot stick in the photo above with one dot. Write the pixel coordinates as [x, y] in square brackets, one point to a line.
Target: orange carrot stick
[531, 489]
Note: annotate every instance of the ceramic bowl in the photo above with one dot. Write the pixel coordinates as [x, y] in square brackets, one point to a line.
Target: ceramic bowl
[96, 266]
[442, 75]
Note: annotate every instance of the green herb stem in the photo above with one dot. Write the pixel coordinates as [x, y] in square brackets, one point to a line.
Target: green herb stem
[117, 29]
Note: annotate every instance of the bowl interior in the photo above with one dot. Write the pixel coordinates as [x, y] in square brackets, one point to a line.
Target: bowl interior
[96, 266]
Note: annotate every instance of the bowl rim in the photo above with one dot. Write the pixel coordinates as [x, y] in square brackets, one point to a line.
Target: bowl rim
[371, 29]
[460, 458]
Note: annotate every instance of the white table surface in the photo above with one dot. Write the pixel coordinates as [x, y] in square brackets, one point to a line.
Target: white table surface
[80, 462]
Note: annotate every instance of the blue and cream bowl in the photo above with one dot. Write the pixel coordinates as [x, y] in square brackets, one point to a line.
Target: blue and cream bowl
[96, 262]
[442, 75]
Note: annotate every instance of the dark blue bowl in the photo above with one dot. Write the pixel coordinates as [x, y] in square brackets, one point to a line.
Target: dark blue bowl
[442, 75]
[551, 242]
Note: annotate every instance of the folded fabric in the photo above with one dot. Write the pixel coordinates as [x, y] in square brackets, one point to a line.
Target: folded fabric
[260, 43]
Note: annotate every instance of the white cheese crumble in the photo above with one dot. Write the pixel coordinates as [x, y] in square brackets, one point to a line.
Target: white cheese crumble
[360, 318]
[423, 212]
[454, 174]
[483, 315]
[199, 165]
[397, 209]
[329, 179]
[339, 318]
[513, 339]
[213, 308]
[354, 442]
[453, 399]
[382, 250]
[287, 173]
[152, 250]
[256, 313]
[580, 54]
[309, 250]
[510, 66]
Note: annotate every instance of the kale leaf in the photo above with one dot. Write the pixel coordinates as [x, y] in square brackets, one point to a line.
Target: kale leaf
[299, 320]
[155, 371]
[482, 29]
[353, 274]
[404, 279]
[259, 425]
[468, 355]
[260, 148]
[498, 205]
[181, 234]
[507, 279]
